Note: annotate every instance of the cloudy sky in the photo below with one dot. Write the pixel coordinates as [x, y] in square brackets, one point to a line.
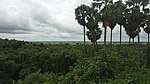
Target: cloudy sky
[45, 20]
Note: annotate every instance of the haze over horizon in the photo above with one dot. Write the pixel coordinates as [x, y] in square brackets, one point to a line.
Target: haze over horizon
[46, 20]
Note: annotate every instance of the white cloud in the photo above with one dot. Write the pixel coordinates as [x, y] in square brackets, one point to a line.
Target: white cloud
[41, 20]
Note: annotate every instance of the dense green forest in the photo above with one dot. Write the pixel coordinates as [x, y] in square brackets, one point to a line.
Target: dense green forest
[64, 63]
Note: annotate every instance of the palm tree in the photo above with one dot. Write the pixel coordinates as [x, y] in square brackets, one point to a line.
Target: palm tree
[147, 30]
[112, 25]
[94, 35]
[81, 14]
[92, 25]
[146, 26]
[103, 6]
[135, 6]
[112, 15]
[130, 30]
[126, 24]
[136, 18]
[120, 10]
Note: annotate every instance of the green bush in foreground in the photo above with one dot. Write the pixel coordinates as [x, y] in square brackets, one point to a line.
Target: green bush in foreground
[100, 68]
[103, 68]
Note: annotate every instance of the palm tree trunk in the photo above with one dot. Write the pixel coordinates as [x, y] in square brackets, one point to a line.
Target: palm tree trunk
[105, 31]
[93, 48]
[138, 36]
[111, 40]
[120, 33]
[129, 41]
[148, 40]
[94, 34]
[140, 61]
[148, 55]
[96, 43]
[96, 48]
[84, 41]
[133, 41]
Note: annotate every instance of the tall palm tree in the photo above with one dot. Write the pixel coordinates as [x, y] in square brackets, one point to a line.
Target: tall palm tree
[136, 17]
[92, 25]
[136, 5]
[146, 26]
[103, 6]
[112, 15]
[80, 16]
[129, 28]
[126, 24]
[120, 10]
[147, 30]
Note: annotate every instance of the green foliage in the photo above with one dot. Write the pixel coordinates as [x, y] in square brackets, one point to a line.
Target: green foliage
[63, 63]
[52, 78]
[34, 78]
[18, 63]
[97, 69]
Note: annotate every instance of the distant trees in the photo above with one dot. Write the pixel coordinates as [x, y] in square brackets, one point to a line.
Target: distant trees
[21, 63]
[63, 63]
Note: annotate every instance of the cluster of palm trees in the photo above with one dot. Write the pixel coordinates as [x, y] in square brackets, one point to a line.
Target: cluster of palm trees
[131, 14]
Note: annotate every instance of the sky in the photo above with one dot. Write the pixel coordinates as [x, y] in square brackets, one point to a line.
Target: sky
[46, 20]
